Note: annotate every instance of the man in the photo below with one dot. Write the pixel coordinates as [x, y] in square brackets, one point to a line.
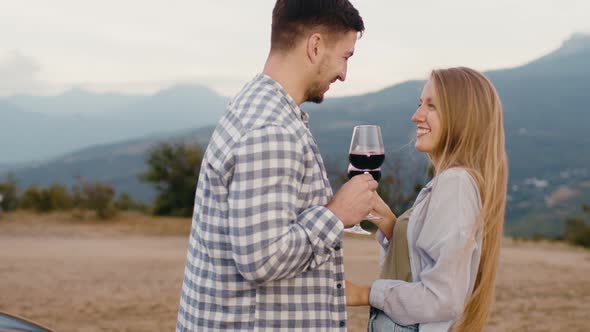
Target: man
[265, 245]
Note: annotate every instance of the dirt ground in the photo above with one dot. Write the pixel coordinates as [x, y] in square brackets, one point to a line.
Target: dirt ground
[125, 275]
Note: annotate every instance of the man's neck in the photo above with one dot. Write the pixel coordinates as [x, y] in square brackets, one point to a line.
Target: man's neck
[288, 75]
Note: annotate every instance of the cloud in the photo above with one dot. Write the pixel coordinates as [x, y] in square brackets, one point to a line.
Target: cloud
[18, 74]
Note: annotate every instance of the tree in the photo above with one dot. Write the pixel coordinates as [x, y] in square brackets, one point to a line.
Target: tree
[8, 191]
[96, 196]
[174, 170]
[127, 203]
[59, 198]
[577, 231]
[30, 199]
[55, 197]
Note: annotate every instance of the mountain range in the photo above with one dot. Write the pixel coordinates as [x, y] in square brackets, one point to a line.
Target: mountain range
[38, 128]
[545, 117]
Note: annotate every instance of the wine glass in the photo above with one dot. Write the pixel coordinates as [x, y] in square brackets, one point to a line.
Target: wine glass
[366, 155]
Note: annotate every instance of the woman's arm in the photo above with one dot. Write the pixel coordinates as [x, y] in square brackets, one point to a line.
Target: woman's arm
[388, 220]
[356, 295]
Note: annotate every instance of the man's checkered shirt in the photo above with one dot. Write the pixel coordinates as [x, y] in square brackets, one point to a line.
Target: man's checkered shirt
[264, 251]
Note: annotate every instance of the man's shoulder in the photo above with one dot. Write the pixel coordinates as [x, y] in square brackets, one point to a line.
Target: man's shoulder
[259, 105]
[252, 119]
[259, 109]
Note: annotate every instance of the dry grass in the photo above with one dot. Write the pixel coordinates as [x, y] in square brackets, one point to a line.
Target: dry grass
[83, 223]
[125, 275]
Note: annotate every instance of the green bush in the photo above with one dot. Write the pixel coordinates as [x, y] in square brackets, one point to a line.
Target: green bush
[30, 199]
[127, 203]
[59, 197]
[8, 190]
[56, 197]
[94, 196]
[97, 197]
[577, 230]
[174, 168]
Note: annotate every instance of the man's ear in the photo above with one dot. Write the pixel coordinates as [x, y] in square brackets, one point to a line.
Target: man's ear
[315, 47]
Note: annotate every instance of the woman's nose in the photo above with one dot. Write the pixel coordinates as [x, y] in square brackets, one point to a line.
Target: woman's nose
[418, 115]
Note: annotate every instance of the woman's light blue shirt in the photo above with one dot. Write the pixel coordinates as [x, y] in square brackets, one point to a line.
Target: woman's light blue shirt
[444, 255]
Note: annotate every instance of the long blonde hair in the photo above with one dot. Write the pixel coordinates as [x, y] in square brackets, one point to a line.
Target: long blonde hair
[472, 137]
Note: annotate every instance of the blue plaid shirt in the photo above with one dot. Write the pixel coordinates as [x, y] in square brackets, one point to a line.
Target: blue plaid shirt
[264, 251]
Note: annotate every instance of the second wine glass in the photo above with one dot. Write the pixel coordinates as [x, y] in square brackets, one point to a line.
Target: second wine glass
[366, 155]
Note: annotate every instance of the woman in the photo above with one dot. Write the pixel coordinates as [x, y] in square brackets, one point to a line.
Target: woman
[455, 226]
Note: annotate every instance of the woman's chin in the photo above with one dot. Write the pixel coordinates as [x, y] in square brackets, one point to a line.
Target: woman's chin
[421, 148]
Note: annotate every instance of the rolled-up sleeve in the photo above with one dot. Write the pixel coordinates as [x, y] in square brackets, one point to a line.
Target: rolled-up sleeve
[452, 252]
[270, 239]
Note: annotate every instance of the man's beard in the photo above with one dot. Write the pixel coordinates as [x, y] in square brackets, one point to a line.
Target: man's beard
[315, 94]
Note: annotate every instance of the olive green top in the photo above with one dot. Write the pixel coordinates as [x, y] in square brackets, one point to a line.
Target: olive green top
[396, 264]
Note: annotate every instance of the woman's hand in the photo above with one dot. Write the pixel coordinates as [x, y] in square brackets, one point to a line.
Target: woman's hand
[356, 295]
[388, 220]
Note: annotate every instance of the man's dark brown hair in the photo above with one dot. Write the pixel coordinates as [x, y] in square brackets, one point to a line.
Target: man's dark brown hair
[292, 19]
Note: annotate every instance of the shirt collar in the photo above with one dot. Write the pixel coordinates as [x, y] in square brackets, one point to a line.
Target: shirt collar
[265, 79]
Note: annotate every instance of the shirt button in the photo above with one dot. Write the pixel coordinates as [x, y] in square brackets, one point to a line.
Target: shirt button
[339, 286]
[342, 323]
[337, 247]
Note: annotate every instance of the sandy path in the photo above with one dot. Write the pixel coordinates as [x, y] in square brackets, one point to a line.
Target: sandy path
[93, 284]
[132, 283]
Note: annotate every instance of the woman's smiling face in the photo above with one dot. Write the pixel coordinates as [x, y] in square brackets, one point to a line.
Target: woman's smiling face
[427, 120]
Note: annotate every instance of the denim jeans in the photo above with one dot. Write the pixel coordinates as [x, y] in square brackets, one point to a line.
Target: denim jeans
[380, 322]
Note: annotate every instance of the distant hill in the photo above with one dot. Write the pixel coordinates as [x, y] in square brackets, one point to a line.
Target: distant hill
[118, 164]
[546, 119]
[75, 101]
[37, 128]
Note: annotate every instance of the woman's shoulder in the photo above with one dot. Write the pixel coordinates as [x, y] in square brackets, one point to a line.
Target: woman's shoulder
[455, 172]
[452, 210]
[458, 181]
[456, 175]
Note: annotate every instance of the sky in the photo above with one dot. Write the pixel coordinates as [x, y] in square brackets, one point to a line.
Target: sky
[140, 47]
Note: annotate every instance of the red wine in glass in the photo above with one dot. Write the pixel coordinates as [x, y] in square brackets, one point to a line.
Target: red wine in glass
[366, 160]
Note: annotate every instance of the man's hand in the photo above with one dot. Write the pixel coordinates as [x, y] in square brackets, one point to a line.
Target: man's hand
[356, 295]
[354, 200]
